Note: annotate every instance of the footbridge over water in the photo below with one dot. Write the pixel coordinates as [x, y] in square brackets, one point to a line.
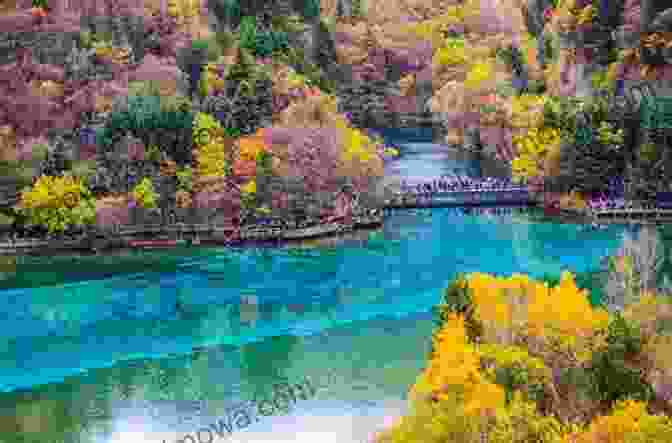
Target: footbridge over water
[510, 196]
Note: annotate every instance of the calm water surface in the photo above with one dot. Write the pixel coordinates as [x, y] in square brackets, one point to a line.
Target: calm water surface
[156, 352]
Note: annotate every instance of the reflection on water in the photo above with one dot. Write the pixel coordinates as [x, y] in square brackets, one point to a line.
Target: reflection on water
[170, 397]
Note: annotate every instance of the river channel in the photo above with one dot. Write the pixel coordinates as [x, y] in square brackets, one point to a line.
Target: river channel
[144, 347]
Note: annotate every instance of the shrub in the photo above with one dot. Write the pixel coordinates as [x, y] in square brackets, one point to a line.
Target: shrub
[44, 4]
[200, 45]
[264, 163]
[213, 49]
[457, 299]
[83, 169]
[225, 39]
[112, 210]
[247, 73]
[205, 128]
[516, 370]
[478, 73]
[532, 149]
[185, 179]
[269, 42]
[247, 33]
[515, 306]
[213, 147]
[453, 53]
[218, 194]
[454, 400]
[144, 194]
[289, 24]
[629, 422]
[311, 9]
[296, 58]
[183, 10]
[211, 82]
[311, 153]
[58, 203]
[534, 391]
[613, 378]
[168, 127]
[226, 11]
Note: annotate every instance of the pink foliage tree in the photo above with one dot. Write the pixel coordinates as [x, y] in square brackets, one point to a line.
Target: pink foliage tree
[568, 79]
[501, 138]
[25, 151]
[412, 58]
[367, 72]
[218, 198]
[402, 104]
[109, 214]
[153, 69]
[632, 15]
[312, 154]
[490, 20]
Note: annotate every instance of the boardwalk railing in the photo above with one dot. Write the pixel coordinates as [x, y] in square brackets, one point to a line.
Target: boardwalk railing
[123, 236]
[471, 189]
[631, 213]
[468, 196]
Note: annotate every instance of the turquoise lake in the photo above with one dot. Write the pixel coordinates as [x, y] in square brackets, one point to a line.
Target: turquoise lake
[154, 346]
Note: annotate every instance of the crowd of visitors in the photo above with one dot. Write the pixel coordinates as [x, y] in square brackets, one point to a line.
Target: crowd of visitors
[602, 202]
[456, 183]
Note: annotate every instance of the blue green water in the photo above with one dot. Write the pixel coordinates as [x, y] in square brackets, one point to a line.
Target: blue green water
[124, 353]
[248, 317]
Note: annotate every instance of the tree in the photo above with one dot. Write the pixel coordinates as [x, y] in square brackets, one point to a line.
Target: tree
[311, 9]
[312, 154]
[226, 11]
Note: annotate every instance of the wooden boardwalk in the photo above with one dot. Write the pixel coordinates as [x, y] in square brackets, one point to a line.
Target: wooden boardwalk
[631, 215]
[192, 234]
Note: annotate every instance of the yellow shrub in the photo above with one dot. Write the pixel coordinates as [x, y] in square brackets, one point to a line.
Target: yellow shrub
[57, 203]
[391, 152]
[628, 423]
[450, 55]
[211, 82]
[205, 128]
[561, 312]
[573, 200]
[521, 422]
[507, 356]
[526, 110]
[358, 148]
[183, 10]
[53, 192]
[479, 73]
[210, 146]
[455, 379]
[456, 361]
[250, 147]
[249, 188]
[466, 406]
[431, 29]
[144, 194]
[532, 149]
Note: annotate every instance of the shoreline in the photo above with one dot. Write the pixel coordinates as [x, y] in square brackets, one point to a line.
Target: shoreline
[187, 237]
